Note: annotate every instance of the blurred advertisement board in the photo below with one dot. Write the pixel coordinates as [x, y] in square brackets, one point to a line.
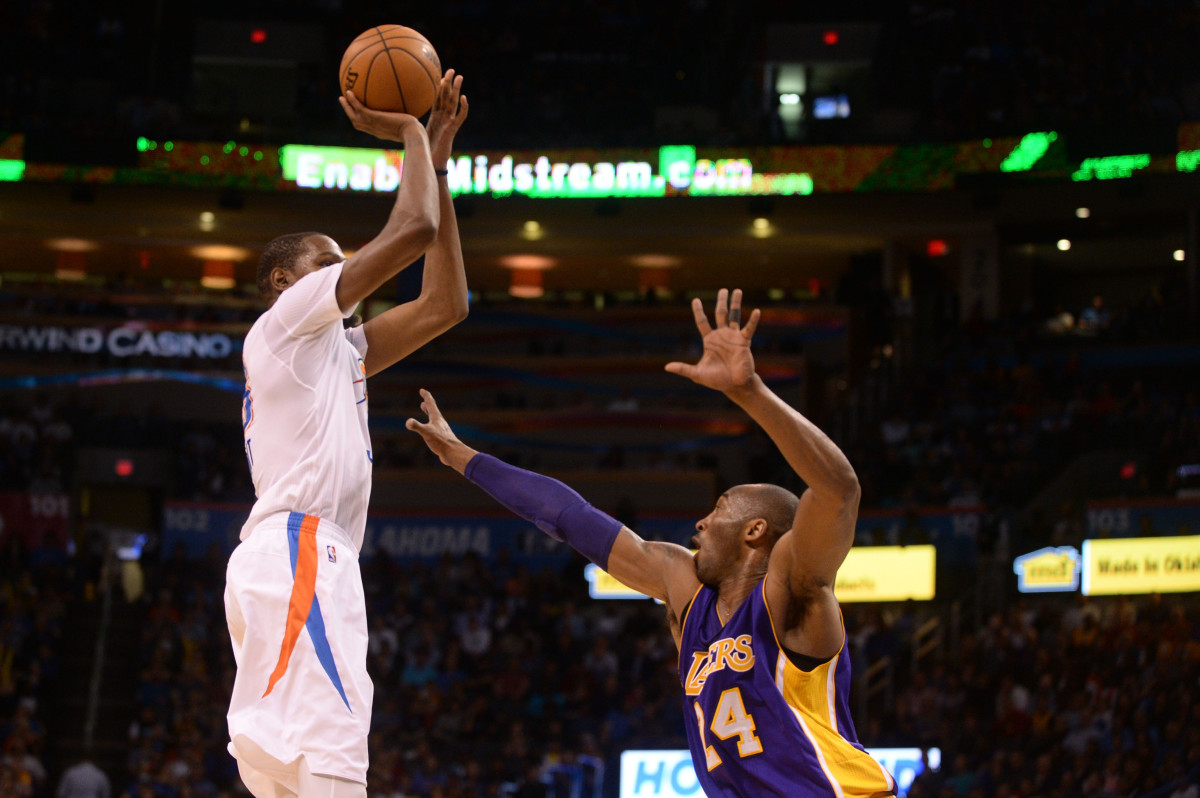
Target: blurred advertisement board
[603, 585]
[1114, 567]
[872, 573]
[1048, 570]
[1127, 566]
[887, 573]
[670, 774]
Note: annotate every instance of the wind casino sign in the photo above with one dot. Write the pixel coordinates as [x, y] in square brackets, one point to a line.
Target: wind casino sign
[552, 175]
[129, 340]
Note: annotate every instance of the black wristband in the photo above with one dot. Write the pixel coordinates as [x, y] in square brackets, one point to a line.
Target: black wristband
[441, 171]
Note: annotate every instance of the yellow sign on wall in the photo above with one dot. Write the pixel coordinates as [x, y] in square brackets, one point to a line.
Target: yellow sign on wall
[887, 573]
[603, 585]
[870, 573]
[1126, 566]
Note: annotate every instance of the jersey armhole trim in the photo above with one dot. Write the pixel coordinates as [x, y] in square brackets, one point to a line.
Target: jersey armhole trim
[687, 611]
[803, 662]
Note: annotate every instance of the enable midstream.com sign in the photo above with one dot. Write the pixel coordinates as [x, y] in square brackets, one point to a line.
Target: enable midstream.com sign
[678, 172]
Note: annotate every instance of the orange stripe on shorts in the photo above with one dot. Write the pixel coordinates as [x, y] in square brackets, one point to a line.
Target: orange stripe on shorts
[304, 587]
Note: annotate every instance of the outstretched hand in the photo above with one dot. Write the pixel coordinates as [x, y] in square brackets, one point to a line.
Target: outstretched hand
[449, 112]
[438, 436]
[386, 125]
[726, 364]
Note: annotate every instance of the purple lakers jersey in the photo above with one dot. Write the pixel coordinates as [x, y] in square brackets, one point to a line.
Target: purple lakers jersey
[757, 724]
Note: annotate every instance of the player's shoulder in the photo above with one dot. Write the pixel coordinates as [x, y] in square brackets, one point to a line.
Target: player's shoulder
[698, 605]
[316, 284]
[759, 609]
[317, 289]
[703, 595]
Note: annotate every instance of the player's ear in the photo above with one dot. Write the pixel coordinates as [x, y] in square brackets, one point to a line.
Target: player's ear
[281, 278]
[755, 531]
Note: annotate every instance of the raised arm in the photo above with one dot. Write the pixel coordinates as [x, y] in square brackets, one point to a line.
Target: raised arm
[661, 570]
[805, 561]
[413, 222]
[398, 332]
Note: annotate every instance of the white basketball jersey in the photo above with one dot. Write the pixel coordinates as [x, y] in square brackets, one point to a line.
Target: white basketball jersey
[304, 410]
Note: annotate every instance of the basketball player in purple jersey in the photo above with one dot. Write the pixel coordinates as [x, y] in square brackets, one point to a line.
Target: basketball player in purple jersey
[762, 647]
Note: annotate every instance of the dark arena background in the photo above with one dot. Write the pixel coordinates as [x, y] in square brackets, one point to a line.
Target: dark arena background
[973, 232]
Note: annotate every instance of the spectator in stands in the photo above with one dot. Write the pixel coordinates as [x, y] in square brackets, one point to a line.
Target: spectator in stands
[83, 780]
[1090, 725]
[1095, 318]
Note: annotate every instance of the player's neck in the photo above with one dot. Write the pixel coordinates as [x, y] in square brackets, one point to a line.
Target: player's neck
[734, 590]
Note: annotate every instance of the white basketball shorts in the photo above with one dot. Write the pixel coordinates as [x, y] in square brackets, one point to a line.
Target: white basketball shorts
[297, 618]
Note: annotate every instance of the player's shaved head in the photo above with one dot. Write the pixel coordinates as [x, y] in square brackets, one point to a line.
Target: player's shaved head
[775, 505]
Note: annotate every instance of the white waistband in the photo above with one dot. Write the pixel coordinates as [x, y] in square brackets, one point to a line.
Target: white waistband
[325, 527]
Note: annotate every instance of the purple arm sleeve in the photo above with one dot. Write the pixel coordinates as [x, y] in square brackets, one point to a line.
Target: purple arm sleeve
[549, 505]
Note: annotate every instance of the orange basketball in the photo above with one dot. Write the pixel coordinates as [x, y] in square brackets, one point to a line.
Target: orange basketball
[391, 68]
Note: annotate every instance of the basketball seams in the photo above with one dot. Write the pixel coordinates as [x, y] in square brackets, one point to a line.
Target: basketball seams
[350, 61]
[383, 39]
[384, 52]
[367, 76]
[420, 65]
[406, 36]
[365, 47]
[395, 76]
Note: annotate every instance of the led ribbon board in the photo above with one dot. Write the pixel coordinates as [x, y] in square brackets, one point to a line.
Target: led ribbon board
[1187, 160]
[1129, 566]
[887, 573]
[1112, 167]
[560, 175]
[1028, 152]
[676, 170]
[870, 573]
[11, 170]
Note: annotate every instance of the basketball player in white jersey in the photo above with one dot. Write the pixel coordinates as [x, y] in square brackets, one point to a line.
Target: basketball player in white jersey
[301, 706]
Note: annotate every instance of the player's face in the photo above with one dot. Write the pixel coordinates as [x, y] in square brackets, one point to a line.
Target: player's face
[717, 541]
[319, 253]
